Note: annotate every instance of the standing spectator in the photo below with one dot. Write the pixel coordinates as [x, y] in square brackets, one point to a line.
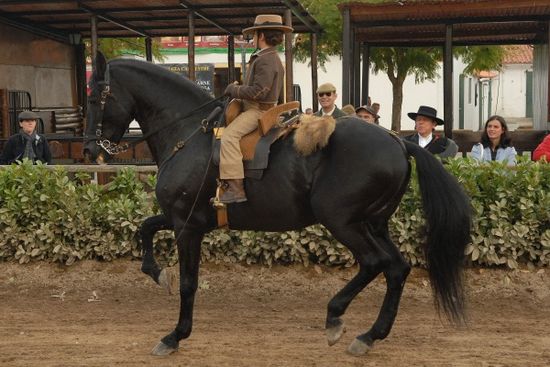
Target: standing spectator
[309, 111]
[543, 150]
[425, 122]
[27, 143]
[326, 93]
[367, 113]
[496, 143]
[376, 107]
[349, 110]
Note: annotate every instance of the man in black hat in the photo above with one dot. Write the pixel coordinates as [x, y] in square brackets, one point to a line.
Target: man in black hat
[425, 122]
[27, 143]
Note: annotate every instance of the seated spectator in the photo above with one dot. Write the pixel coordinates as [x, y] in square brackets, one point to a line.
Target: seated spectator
[376, 108]
[27, 143]
[496, 143]
[309, 111]
[425, 122]
[543, 150]
[326, 93]
[367, 113]
[349, 110]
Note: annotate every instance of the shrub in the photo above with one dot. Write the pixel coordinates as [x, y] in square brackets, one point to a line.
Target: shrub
[45, 215]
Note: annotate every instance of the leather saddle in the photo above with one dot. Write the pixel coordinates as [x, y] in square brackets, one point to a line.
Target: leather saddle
[255, 146]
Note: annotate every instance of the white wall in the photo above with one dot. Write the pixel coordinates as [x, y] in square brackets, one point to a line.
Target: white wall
[508, 89]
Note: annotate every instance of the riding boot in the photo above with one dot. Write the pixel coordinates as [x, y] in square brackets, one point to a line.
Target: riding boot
[234, 191]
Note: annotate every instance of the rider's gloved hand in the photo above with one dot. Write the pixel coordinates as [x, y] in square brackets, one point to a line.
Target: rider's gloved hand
[229, 91]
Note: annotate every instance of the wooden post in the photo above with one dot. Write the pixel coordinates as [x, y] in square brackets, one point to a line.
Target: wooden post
[4, 116]
[191, 46]
[365, 78]
[93, 33]
[230, 59]
[314, 78]
[346, 53]
[80, 71]
[448, 80]
[149, 49]
[288, 58]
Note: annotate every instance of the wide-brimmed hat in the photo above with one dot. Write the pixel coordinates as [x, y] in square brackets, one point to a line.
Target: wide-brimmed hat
[369, 109]
[267, 21]
[428, 112]
[326, 88]
[27, 115]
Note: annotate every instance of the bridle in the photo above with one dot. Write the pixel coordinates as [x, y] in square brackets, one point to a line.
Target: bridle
[115, 148]
[109, 146]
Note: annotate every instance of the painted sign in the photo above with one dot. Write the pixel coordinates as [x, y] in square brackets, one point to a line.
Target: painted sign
[204, 74]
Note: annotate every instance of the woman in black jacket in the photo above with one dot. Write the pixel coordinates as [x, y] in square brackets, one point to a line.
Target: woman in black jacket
[27, 143]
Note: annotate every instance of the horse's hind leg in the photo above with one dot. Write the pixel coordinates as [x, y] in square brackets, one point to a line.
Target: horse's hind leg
[372, 261]
[396, 274]
[149, 266]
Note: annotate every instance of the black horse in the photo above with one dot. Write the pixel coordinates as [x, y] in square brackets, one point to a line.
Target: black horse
[352, 186]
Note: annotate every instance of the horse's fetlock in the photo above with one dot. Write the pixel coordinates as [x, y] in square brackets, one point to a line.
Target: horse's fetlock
[335, 309]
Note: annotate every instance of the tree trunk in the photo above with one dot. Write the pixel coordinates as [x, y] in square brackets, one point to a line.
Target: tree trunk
[397, 104]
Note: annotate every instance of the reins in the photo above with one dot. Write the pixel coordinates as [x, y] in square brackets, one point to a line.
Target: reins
[114, 148]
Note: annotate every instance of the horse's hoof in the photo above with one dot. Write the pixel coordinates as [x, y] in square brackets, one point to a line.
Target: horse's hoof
[358, 347]
[335, 333]
[162, 349]
[168, 280]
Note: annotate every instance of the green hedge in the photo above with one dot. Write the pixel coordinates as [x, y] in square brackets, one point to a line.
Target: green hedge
[45, 215]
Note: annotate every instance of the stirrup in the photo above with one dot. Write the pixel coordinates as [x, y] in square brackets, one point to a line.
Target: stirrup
[215, 201]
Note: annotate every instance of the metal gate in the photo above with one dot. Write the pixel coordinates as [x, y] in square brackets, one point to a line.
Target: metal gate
[18, 100]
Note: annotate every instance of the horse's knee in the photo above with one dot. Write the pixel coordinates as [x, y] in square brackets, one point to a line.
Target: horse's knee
[188, 288]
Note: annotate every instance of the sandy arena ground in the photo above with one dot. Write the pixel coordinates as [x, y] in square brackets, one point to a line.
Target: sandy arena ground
[110, 314]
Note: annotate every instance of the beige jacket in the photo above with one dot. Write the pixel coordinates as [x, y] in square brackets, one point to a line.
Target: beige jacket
[264, 80]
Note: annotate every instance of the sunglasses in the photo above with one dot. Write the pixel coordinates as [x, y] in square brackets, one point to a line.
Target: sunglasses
[322, 94]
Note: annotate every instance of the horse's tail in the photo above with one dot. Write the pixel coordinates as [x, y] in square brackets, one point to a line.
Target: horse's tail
[448, 215]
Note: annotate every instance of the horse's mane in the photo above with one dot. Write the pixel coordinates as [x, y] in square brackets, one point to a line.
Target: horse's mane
[169, 79]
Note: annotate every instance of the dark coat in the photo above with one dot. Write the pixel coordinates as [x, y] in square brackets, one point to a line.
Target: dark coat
[439, 145]
[336, 113]
[15, 147]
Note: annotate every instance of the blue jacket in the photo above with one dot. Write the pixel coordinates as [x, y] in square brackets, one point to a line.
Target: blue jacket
[482, 154]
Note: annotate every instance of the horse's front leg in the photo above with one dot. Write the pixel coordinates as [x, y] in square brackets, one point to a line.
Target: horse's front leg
[189, 246]
[147, 231]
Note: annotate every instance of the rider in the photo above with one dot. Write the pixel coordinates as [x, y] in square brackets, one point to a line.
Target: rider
[260, 91]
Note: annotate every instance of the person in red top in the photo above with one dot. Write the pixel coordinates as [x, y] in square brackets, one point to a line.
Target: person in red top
[543, 150]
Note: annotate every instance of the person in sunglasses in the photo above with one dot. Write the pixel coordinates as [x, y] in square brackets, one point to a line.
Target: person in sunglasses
[326, 94]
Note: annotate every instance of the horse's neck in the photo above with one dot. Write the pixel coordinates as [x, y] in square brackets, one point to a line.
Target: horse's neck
[165, 114]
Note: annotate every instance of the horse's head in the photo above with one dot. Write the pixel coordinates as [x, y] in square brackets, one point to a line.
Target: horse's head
[109, 113]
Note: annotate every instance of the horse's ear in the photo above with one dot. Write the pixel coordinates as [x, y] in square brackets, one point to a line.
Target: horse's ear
[100, 65]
